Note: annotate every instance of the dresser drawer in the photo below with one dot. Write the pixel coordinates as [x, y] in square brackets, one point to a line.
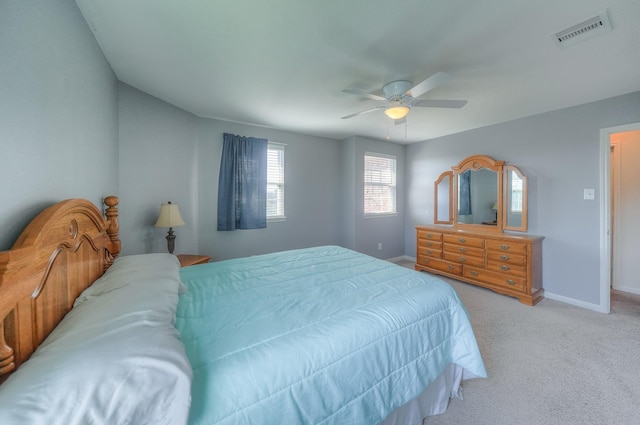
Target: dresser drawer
[464, 259]
[429, 252]
[463, 249]
[429, 235]
[464, 240]
[507, 258]
[507, 246]
[441, 265]
[507, 268]
[427, 243]
[516, 283]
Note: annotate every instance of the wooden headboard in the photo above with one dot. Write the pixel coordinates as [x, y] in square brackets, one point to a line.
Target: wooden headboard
[60, 253]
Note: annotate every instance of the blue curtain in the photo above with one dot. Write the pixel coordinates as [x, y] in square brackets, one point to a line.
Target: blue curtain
[464, 193]
[242, 184]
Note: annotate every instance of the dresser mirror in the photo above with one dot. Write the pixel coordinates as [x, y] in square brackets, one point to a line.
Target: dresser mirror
[478, 197]
[482, 193]
[442, 190]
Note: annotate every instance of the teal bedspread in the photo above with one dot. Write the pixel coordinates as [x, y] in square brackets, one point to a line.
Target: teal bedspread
[321, 335]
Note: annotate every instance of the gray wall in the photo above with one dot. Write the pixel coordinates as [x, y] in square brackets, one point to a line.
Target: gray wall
[58, 112]
[364, 234]
[348, 192]
[158, 163]
[168, 154]
[559, 153]
[312, 197]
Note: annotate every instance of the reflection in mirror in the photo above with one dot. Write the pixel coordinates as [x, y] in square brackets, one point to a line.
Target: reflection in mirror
[443, 199]
[477, 196]
[516, 199]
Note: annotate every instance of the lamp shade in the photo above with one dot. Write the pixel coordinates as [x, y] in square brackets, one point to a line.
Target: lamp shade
[397, 112]
[169, 216]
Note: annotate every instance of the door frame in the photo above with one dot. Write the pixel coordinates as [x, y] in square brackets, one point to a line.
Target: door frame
[605, 212]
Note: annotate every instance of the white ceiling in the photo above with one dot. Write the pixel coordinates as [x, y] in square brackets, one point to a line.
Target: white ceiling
[284, 63]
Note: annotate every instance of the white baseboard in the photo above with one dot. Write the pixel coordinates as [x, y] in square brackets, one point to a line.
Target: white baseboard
[401, 258]
[573, 301]
[628, 289]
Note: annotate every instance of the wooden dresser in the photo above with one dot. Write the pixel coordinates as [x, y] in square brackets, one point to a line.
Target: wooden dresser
[505, 263]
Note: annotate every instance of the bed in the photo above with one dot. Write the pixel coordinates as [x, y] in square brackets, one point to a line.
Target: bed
[322, 335]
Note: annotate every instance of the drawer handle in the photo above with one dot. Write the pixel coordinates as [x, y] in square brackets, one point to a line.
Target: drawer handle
[505, 247]
[511, 282]
[429, 244]
[474, 273]
[505, 268]
[462, 259]
[462, 249]
[505, 257]
[451, 268]
[429, 252]
[429, 235]
[425, 261]
[462, 240]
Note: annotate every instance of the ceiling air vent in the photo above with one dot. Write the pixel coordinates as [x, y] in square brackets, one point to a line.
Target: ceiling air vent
[584, 30]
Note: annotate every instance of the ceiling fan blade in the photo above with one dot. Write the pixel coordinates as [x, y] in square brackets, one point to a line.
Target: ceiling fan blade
[364, 94]
[436, 80]
[439, 103]
[363, 112]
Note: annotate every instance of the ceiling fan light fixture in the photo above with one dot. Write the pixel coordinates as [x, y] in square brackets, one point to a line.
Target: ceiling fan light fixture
[397, 112]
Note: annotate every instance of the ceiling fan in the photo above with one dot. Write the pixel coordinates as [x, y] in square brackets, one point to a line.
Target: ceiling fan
[400, 96]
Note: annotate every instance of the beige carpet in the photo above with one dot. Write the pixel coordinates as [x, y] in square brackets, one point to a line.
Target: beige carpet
[550, 364]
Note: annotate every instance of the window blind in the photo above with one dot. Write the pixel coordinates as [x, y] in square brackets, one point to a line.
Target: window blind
[379, 184]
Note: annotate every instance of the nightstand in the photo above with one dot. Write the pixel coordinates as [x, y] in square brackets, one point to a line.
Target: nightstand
[192, 260]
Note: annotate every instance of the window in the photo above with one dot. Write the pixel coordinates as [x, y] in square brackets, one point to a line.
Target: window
[379, 184]
[275, 181]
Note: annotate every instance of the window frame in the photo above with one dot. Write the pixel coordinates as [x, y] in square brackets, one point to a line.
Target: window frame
[274, 146]
[393, 184]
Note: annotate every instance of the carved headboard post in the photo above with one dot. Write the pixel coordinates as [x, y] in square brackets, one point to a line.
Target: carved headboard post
[113, 230]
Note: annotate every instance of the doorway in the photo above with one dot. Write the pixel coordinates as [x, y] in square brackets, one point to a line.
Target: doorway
[625, 198]
[619, 146]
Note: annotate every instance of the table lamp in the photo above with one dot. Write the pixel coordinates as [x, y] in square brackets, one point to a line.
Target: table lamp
[170, 217]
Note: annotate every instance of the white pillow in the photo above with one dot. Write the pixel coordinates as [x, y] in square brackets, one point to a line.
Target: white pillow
[132, 269]
[114, 359]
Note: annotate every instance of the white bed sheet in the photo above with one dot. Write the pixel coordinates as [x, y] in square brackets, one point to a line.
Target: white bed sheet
[434, 400]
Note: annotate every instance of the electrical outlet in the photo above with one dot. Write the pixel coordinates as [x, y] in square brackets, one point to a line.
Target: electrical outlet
[589, 194]
[380, 246]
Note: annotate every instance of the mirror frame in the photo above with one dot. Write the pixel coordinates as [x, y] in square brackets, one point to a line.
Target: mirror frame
[436, 218]
[525, 195]
[477, 162]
